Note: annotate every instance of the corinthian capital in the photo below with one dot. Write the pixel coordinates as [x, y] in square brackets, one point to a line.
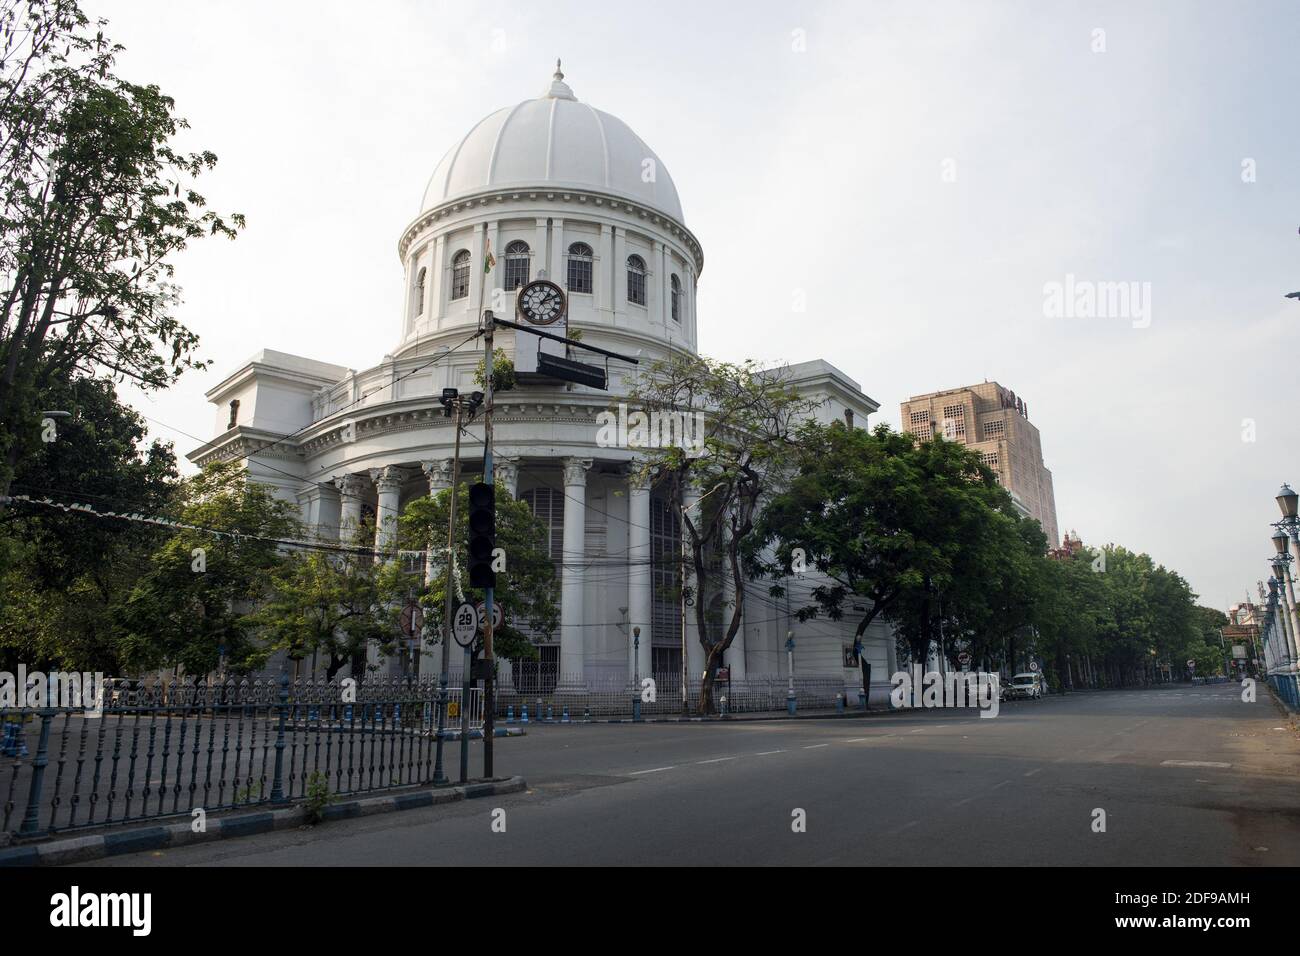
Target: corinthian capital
[575, 470]
[438, 471]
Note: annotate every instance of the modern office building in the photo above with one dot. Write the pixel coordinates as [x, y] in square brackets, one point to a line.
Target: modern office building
[994, 422]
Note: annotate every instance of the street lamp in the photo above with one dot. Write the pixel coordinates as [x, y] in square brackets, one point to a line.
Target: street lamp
[790, 702]
[636, 680]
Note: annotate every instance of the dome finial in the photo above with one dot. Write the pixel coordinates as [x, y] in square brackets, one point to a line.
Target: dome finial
[558, 89]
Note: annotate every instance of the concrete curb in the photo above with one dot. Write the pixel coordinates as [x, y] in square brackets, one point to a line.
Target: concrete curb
[59, 852]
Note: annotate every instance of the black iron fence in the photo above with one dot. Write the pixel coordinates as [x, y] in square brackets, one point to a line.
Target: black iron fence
[165, 749]
[170, 748]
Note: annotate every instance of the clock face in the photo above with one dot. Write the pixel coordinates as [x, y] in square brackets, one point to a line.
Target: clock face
[541, 302]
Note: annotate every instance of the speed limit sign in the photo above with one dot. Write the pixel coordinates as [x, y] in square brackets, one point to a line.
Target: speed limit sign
[464, 624]
[498, 618]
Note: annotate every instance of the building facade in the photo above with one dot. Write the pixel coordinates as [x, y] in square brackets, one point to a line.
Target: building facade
[553, 189]
[993, 422]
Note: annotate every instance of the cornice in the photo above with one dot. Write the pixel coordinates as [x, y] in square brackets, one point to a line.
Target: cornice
[601, 201]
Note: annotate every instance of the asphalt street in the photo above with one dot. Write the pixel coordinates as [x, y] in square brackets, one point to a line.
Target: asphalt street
[1186, 776]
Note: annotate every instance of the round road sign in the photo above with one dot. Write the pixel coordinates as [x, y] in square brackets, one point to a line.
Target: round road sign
[464, 624]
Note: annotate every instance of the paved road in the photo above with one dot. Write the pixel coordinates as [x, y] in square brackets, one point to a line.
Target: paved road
[1186, 776]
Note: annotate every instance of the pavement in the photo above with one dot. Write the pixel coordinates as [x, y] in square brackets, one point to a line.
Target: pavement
[1185, 776]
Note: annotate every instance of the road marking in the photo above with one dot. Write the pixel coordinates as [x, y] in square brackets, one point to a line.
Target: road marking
[716, 760]
[1034, 771]
[815, 746]
[1002, 784]
[856, 740]
[637, 773]
[764, 753]
[917, 731]
[961, 802]
[1193, 763]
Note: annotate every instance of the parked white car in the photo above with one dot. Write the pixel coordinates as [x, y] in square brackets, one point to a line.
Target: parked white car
[1028, 685]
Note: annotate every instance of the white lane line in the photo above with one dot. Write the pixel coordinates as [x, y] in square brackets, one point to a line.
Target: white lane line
[1193, 763]
[637, 773]
[1034, 771]
[715, 760]
[815, 746]
[917, 731]
[764, 753]
[910, 823]
[856, 740]
[961, 802]
[1002, 784]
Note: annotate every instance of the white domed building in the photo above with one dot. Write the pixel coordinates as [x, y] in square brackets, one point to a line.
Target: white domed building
[560, 190]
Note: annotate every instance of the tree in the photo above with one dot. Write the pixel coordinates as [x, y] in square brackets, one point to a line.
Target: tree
[194, 605]
[526, 585]
[63, 573]
[94, 201]
[335, 604]
[750, 416]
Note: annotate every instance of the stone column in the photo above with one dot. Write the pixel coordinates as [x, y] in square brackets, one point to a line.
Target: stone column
[494, 278]
[639, 578]
[505, 472]
[572, 654]
[437, 277]
[654, 281]
[388, 482]
[350, 489]
[438, 471]
[541, 262]
[734, 657]
[619, 303]
[559, 250]
[694, 652]
[601, 268]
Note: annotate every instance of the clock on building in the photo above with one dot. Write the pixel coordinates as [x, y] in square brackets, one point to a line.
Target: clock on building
[541, 302]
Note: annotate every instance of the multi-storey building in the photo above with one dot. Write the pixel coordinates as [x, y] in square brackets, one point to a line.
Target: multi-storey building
[995, 424]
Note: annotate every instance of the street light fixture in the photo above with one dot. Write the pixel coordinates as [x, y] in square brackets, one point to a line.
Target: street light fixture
[636, 670]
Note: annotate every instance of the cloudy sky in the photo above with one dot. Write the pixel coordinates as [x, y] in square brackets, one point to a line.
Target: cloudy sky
[917, 172]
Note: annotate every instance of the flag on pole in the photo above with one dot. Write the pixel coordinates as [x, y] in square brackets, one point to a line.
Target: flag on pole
[489, 260]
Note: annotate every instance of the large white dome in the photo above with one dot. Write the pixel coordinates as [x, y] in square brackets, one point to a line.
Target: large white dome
[554, 142]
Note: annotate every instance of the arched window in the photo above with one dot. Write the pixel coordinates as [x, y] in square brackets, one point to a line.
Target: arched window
[636, 280]
[419, 291]
[676, 284]
[580, 257]
[460, 275]
[517, 263]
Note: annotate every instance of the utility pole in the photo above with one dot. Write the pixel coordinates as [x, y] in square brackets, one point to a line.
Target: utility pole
[489, 660]
[439, 775]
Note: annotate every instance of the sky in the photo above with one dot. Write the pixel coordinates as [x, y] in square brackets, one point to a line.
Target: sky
[918, 175]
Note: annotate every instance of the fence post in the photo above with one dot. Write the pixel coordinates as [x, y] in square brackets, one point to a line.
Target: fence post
[31, 825]
[277, 785]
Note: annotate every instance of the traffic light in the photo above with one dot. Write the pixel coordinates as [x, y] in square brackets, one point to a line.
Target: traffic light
[482, 535]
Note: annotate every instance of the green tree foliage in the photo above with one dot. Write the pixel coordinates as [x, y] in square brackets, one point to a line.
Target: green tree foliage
[919, 533]
[751, 415]
[62, 574]
[192, 606]
[332, 604]
[526, 586]
[94, 201]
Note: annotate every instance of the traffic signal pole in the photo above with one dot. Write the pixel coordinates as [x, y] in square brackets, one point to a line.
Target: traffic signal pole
[489, 676]
[440, 775]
